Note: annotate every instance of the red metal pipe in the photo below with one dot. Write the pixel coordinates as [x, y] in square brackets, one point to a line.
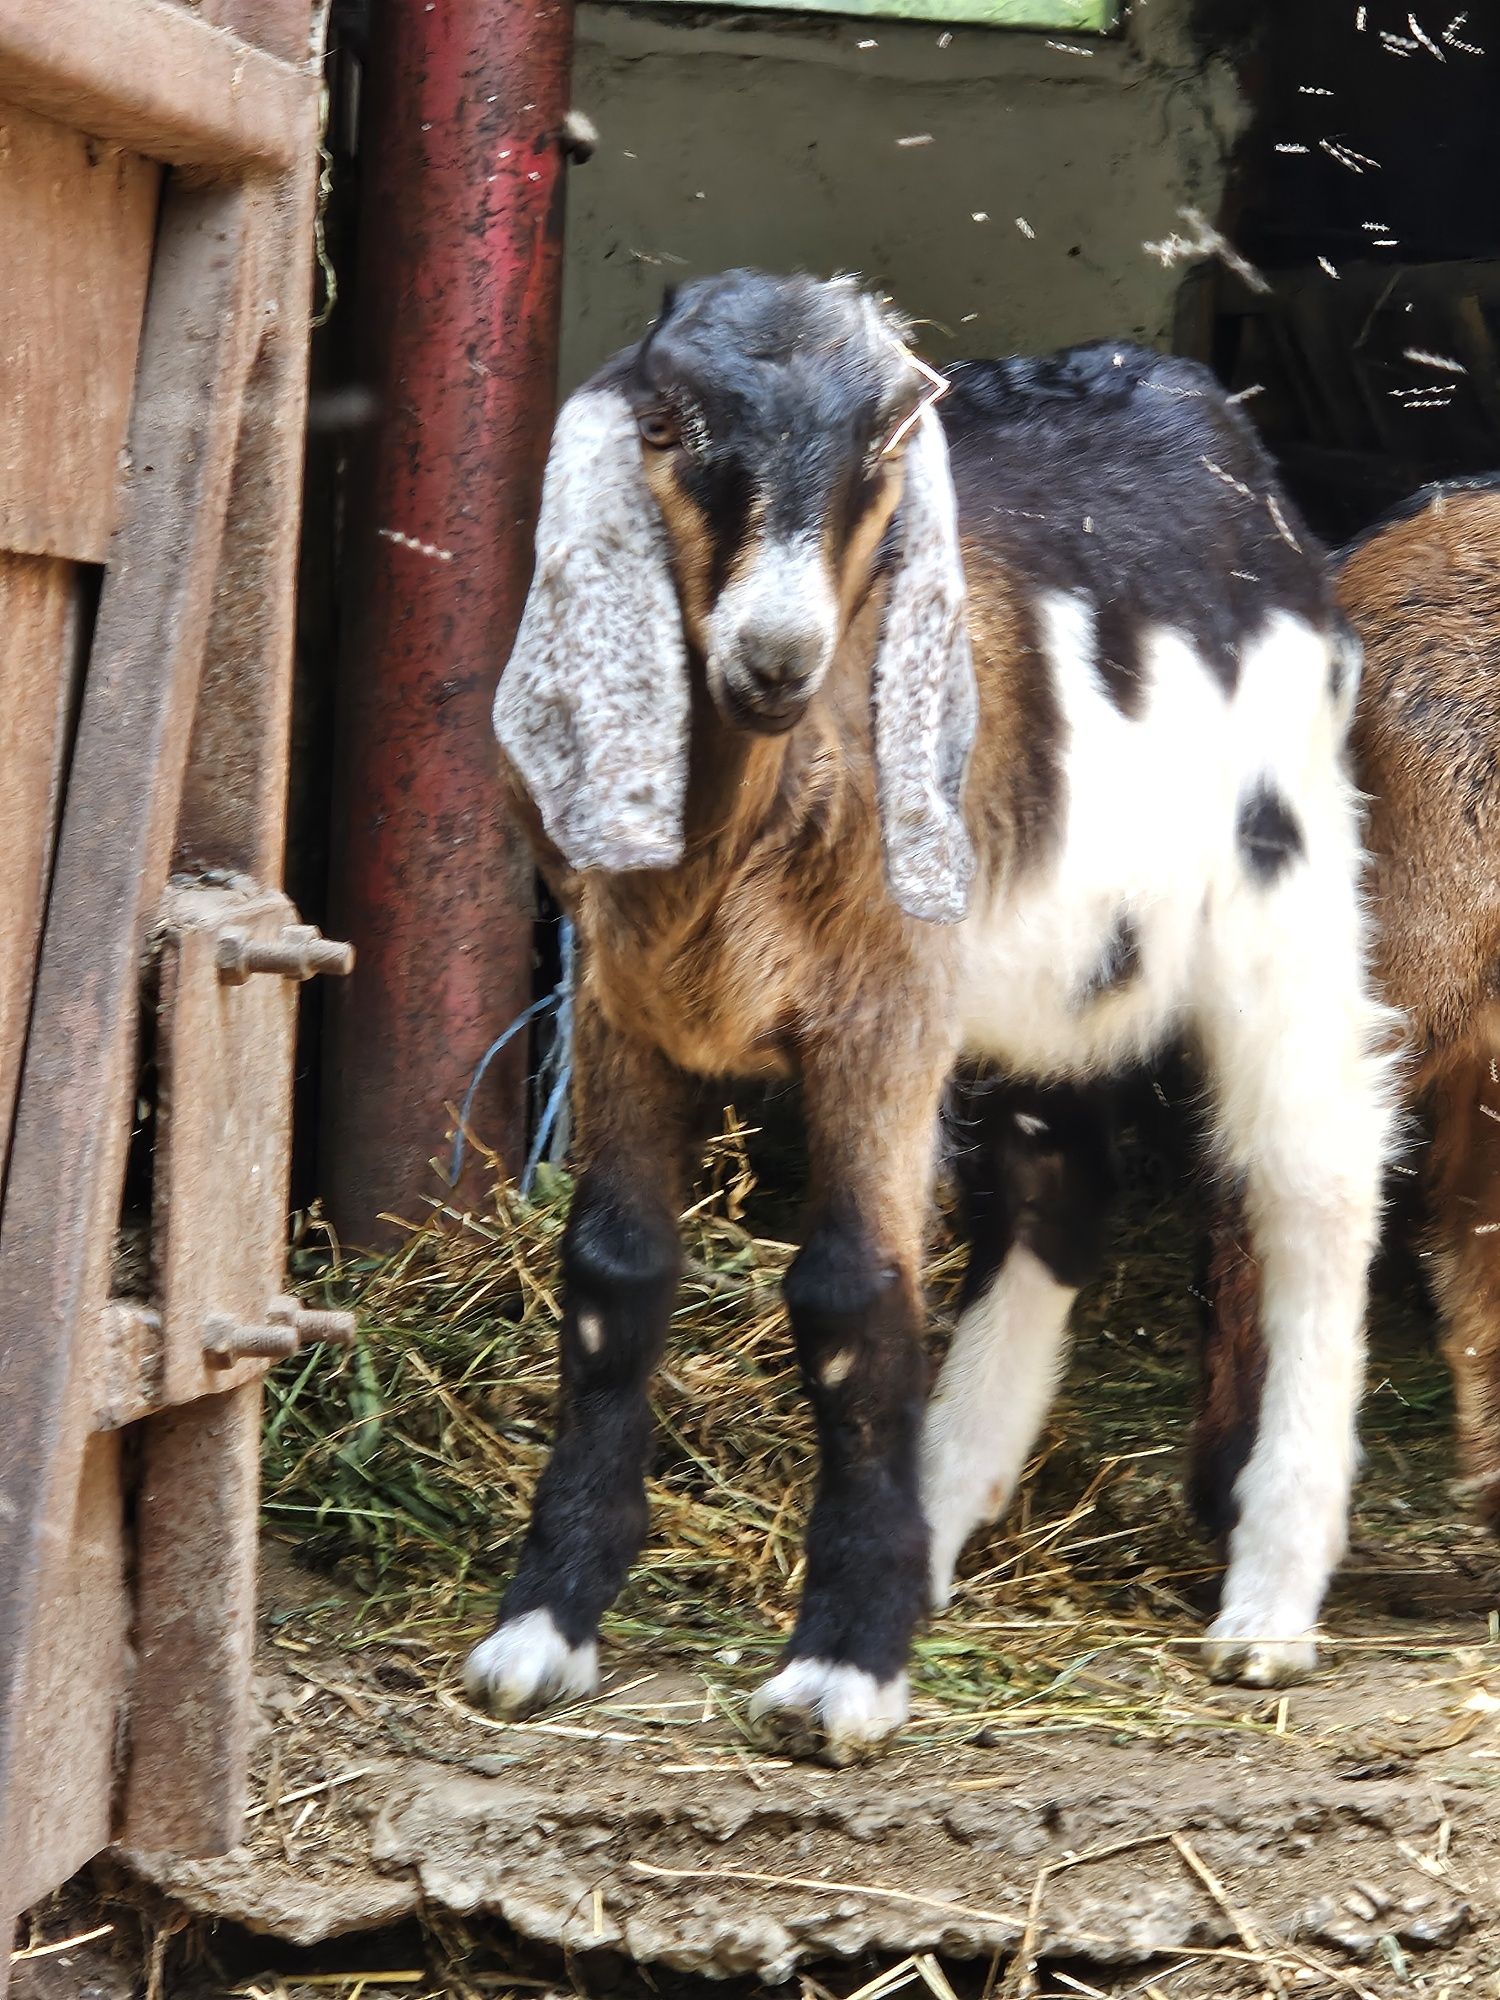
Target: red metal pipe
[460, 271]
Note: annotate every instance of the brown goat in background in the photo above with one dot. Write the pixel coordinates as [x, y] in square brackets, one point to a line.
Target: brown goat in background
[1421, 591]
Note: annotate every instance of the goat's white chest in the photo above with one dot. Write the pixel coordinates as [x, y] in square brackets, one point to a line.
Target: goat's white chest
[1097, 955]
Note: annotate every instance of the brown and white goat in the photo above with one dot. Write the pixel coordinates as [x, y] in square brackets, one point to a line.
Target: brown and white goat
[1420, 590]
[856, 739]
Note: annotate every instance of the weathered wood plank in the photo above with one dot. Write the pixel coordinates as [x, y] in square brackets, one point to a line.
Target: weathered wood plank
[234, 802]
[1079, 17]
[77, 216]
[38, 641]
[282, 27]
[63, 1778]
[154, 77]
[197, 1518]
[224, 1138]
[72, 1122]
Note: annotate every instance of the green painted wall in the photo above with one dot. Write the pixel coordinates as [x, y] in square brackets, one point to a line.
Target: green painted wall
[1073, 16]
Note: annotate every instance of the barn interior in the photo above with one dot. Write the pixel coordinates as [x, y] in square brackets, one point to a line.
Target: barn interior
[1303, 198]
[1014, 189]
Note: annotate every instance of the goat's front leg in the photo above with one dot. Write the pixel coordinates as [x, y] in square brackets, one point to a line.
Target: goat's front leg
[855, 1299]
[1233, 1367]
[621, 1258]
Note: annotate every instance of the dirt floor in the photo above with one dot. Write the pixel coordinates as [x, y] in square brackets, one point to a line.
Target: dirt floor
[1343, 1836]
[1074, 1810]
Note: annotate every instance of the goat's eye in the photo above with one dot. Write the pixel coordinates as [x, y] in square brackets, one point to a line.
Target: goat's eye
[659, 428]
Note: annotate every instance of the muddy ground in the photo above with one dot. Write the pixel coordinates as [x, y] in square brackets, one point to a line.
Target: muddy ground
[1221, 1842]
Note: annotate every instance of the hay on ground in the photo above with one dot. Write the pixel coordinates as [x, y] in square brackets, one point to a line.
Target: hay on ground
[407, 1465]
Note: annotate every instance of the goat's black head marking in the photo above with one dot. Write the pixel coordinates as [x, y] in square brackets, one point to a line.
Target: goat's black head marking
[765, 407]
[716, 502]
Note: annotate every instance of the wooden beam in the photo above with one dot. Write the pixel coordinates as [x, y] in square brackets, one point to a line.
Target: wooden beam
[78, 218]
[234, 802]
[197, 1521]
[155, 78]
[282, 27]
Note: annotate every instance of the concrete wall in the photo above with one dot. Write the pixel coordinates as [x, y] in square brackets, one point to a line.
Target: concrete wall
[727, 139]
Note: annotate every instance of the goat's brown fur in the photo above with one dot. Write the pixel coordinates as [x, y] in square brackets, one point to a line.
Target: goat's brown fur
[1421, 593]
[777, 923]
[723, 963]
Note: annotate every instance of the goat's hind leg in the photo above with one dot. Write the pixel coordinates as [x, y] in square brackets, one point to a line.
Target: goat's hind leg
[1038, 1171]
[1303, 1121]
[621, 1259]
[1233, 1359]
[1464, 1178]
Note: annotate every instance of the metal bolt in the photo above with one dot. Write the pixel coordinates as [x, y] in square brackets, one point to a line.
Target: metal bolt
[226, 1341]
[298, 952]
[312, 1323]
[289, 1325]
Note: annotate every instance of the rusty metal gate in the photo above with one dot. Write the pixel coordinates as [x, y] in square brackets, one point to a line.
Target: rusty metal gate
[158, 171]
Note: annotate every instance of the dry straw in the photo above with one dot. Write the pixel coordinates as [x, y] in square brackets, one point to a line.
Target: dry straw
[407, 1467]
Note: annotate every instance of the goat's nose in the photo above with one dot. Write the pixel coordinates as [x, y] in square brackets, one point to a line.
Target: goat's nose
[778, 657]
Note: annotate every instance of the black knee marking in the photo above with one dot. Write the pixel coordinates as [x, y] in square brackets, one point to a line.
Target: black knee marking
[856, 1321]
[620, 1264]
[1040, 1168]
[1268, 832]
[837, 1292]
[1119, 962]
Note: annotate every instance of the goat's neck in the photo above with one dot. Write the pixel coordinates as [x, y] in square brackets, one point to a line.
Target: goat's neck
[747, 792]
[734, 780]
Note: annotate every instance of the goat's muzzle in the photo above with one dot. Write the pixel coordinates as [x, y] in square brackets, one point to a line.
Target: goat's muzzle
[772, 635]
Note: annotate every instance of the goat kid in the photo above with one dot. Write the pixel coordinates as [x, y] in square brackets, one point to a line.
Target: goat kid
[1419, 589]
[856, 739]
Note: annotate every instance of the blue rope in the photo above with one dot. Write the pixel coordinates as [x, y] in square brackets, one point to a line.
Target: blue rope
[528, 1014]
[559, 1061]
[555, 1075]
[544, 1130]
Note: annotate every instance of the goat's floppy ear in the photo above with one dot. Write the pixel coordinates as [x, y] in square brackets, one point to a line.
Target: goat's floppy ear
[924, 694]
[593, 707]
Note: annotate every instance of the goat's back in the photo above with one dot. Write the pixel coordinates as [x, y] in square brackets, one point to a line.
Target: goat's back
[1162, 707]
[1421, 591]
[1128, 477]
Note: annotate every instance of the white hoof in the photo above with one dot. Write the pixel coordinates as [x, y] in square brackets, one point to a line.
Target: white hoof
[526, 1664]
[838, 1714]
[1237, 1648]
